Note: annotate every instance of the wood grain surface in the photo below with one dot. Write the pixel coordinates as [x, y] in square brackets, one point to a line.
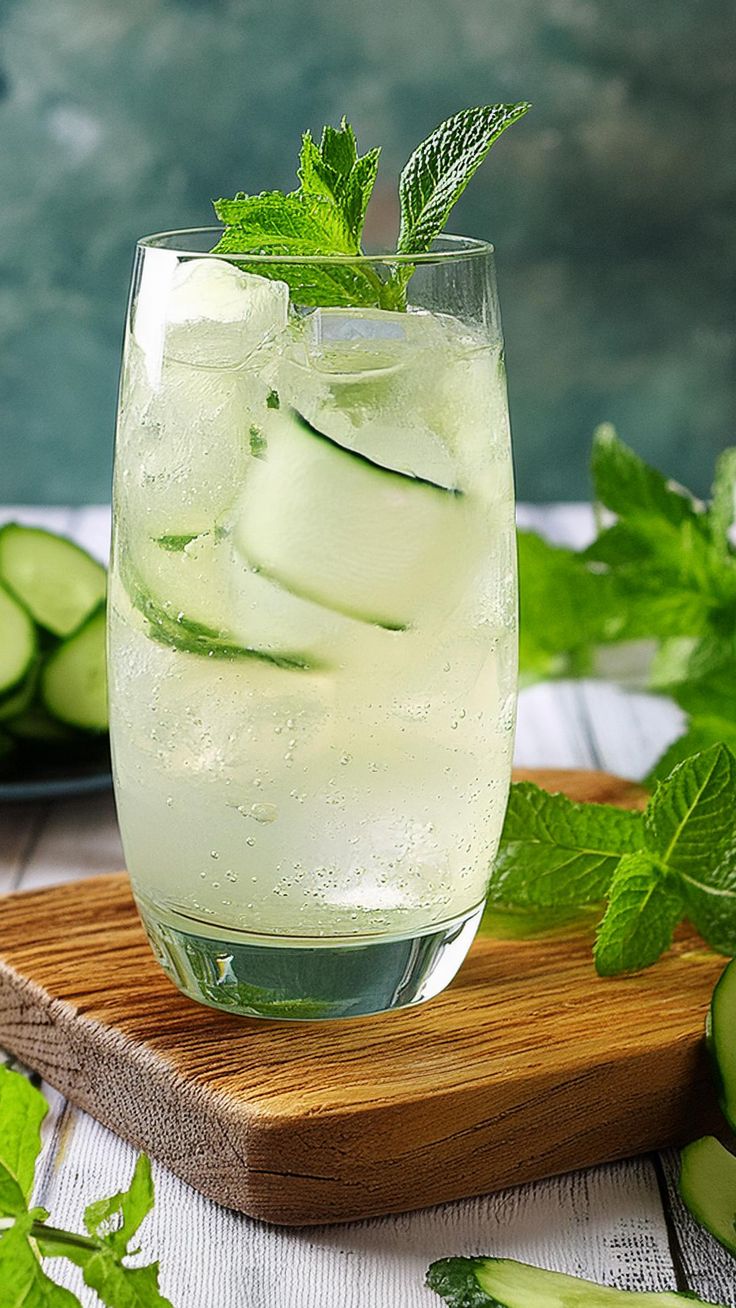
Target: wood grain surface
[527, 1066]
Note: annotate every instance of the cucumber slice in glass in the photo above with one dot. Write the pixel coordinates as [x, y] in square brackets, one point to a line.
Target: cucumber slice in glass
[504, 1283]
[57, 581]
[722, 1040]
[332, 526]
[708, 1188]
[73, 679]
[18, 645]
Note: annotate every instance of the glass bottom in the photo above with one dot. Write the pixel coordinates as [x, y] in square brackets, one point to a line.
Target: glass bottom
[302, 981]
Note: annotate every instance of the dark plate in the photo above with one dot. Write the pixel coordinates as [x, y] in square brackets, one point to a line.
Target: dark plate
[57, 778]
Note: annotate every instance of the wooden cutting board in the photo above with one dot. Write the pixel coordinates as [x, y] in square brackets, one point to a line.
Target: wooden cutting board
[528, 1065]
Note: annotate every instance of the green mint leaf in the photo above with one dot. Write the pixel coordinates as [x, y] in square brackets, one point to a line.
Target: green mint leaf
[116, 1220]
[645, 904]
[23, 1282]
[554, 852]
[22, 1110]
[298, 224]
[566, 610]
[624, 483]
[722, 512]
[335, 172]
[123, 1287]
[690, 825]
[441, 167]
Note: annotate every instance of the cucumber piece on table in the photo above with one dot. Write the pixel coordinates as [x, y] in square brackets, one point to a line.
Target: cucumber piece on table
[18, 644]
[708, 1188]
[722, 1040]
[57, 581]
[73, 679]
[17, 700]
[332, 526]
[503, 1283]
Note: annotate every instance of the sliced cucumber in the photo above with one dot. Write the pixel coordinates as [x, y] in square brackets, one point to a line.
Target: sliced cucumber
[57, 581]
[708, 1188]
[722, 1040]
[504, 1283]
[73, 679]
[18, 645]
[20, 698]
[332, 526]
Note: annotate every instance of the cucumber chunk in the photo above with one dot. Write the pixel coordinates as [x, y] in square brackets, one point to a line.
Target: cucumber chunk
[708, 1188]
[722, 1040]
[73, 680]
[57, 581]
[332, 526]
[18, 644]
[504, 1283]
[20, 698]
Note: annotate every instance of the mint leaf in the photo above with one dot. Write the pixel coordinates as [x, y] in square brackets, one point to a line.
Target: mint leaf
[116, 1220]
[690, 825]
[22, 1110]
[297, 224]
[23, 1282]
[123, 1287]
[554, 852]
[441, 167]
[645, 904]
[566, 610]
[624, 483]
[722, 513]
[334, 171]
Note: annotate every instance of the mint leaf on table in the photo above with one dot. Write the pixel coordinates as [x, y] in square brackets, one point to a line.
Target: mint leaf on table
[441, 167]
[645, 905]
[691, 824]
[677, 859]
[23, 1281]
[555, 852]
[111, 1223]
[22, 1110]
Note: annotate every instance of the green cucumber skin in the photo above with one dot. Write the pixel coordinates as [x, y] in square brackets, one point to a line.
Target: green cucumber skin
[719, 1033]
[71, 718]
[13, 603]
[698, 1185]
[6, 533]
[456, 1280]
[403, 477]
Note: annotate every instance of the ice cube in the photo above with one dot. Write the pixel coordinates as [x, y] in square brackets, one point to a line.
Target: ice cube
[217, 316]
[349, 325]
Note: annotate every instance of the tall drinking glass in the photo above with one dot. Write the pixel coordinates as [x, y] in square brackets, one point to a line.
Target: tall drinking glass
[312, 641]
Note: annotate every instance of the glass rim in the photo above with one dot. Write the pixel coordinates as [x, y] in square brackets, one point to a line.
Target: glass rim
[461, 247]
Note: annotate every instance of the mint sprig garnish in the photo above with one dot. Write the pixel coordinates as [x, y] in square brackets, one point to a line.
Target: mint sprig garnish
[326, 214]
[25, 1232]
[676, 860]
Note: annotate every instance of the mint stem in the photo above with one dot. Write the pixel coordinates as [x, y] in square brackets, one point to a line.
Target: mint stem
[40, 1231]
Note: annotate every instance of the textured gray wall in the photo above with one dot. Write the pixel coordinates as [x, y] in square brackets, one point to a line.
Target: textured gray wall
[611, 205]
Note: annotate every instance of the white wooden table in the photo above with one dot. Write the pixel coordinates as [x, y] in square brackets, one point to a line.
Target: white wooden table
[620, 1224]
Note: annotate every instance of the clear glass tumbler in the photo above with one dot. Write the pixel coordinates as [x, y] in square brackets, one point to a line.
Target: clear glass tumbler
[312, 640]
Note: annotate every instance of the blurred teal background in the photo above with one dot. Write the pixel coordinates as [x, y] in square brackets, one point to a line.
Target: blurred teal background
[611, 205]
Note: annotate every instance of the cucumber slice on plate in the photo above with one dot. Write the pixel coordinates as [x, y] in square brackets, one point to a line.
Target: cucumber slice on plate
[708, 1188]
[57, 581]
[722, 1040]
[504, 1283]
[20, 698]
[18, 645]
[73, 679]
[332, 526]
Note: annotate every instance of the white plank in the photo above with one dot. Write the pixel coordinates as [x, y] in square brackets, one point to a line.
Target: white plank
[606, 1224]
[628, 731]
[79, 838]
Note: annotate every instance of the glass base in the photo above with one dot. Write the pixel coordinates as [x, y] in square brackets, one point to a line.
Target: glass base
[300, 980]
